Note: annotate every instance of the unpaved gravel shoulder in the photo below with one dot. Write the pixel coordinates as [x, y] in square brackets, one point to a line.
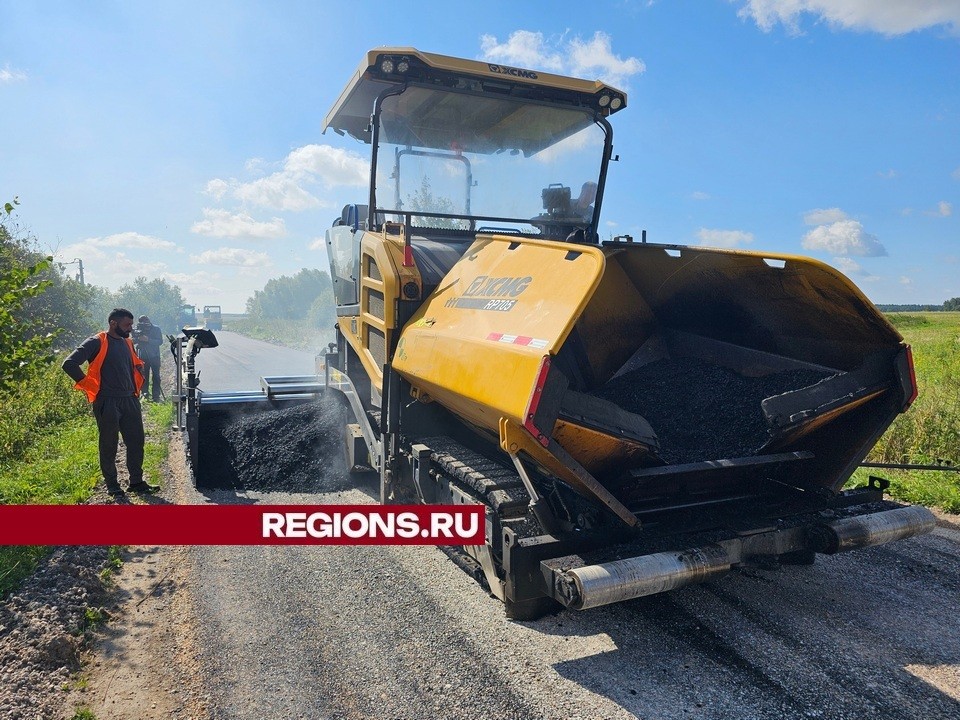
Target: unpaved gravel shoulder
[145, 664]
[43, 627]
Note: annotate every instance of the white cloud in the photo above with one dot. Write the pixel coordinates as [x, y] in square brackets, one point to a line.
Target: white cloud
[318, 243]
[724, 238]
[238, 257]
[524, 48]
[943, 209]
[83, 250]
[221, 223]
[697, 195]
[287, 189]
[574, 56]
[94, 248]
[956, 174]
[254, 165]
[595, 58]
[279, 191]
[111, 269]
[904, 280]
[129, 269]
[888, 175]
[217, 188]
[131, 240]
[889, 17]
[824, 217]
[844, 238]
[8, 75]
[331, 166]
[848, 266]
[201, 281]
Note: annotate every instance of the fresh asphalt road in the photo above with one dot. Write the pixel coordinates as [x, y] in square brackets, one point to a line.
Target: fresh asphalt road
[400, 632]
[238, 362]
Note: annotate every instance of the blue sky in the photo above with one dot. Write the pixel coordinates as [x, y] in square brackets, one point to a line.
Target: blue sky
[183, 140]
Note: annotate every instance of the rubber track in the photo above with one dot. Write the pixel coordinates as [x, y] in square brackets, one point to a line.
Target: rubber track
[499, 485]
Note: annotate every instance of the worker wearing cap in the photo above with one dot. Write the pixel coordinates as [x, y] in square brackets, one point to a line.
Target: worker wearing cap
[112, 385]
[148, 338]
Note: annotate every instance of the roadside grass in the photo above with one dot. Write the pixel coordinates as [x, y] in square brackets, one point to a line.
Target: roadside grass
[930, 429]
[296, 334]
[157, 419]
[48, 456]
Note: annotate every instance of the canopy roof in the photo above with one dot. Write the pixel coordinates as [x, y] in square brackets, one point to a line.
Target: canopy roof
[467, 105]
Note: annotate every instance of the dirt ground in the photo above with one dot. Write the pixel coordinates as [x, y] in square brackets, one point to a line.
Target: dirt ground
[144, 664]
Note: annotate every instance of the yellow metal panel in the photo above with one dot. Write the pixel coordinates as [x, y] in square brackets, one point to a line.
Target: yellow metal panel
[804, 309]
[476, 344]
[615, 323]
[514, 440]
[599, 452]
[385, 252]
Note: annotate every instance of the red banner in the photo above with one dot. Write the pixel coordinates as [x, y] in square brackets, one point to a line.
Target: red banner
[242, 525]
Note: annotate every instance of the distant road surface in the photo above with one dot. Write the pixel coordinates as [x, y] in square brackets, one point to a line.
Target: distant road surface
[239, 362]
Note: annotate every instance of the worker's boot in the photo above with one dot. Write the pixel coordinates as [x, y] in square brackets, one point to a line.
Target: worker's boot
[143, 486]
[113, 487]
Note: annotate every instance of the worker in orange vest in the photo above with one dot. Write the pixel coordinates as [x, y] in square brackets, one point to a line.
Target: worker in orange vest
[112, 384]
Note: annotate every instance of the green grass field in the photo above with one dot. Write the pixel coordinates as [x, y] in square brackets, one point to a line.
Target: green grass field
[930, 429]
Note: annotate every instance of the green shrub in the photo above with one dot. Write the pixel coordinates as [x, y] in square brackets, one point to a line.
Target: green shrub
[42, 402]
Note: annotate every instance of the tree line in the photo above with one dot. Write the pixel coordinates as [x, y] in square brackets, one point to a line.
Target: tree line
[951, 305]
[45, 311]
[306, 296]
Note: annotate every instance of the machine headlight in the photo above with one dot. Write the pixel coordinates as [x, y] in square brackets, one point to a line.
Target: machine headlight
[403, 65]
[386, 66]
[604, 100]
[616, 103]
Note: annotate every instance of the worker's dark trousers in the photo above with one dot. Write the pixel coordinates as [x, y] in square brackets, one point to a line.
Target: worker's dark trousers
[151, 367]
[119, 416]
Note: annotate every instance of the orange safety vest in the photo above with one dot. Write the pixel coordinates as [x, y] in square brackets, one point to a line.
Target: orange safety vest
[91, 383]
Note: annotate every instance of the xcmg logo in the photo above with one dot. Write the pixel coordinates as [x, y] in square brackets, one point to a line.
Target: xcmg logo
[515, 72]
[498, 286]
[484, 292]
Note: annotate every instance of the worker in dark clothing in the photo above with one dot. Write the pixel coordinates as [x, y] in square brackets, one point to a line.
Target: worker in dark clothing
[112, 385]
[147, 338]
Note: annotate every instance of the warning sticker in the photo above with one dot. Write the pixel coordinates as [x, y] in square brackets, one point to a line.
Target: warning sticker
[524, 340]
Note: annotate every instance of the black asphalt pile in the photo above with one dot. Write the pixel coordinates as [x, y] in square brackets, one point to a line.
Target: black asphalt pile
[702, 411]
[293, 449]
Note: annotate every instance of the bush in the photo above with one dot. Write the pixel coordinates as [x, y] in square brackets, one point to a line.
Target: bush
[45, 399]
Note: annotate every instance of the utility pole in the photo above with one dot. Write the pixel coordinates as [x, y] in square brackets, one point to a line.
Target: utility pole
[79, 263]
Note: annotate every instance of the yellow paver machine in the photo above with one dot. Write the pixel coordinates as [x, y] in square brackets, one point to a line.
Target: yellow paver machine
[634, 417]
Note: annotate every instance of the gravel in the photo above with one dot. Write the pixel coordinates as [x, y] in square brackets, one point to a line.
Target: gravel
[401, 632]
[702, 411]
[43, 627]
